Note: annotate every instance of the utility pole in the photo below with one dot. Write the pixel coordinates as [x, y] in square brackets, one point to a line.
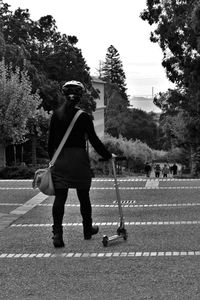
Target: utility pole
[99, 70]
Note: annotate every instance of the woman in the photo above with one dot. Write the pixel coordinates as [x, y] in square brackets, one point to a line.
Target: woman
[72, 168]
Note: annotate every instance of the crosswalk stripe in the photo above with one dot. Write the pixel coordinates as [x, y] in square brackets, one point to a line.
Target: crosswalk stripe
[143, 223]
[125, 204]
[16, 188]
[129, 254]
[98, 179]
[121, 188]
[144, 179]
[150, 184]
[148, 188]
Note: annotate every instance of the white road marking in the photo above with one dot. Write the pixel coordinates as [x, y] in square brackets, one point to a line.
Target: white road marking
[115, 205]
[113, 188]
[143, 223]
[144, 188]
[15, 180]
[11, 204]
[152, 183]
[144, 179]
[16, 188]
[7, 219]
[146, 254]
[21, 210]
[98, 179]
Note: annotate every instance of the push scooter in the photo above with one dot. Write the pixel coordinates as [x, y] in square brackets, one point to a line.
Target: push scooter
[121, 231]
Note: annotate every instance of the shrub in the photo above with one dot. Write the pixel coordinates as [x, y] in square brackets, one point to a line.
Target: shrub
[20, 172]
[136, 153]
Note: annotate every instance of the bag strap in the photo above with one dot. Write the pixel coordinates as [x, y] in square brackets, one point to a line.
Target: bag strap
[67, 133]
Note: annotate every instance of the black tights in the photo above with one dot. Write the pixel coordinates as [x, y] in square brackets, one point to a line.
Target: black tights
[59, 205]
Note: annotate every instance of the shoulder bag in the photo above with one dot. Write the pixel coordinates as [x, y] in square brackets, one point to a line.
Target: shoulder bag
[42, 178]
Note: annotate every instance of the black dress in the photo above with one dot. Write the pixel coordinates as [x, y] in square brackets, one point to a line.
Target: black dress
[72, 167]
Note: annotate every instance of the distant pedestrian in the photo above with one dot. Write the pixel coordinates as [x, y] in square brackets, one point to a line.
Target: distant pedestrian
[174, 169]
[147, 169]
[157, 171]
[165, 170]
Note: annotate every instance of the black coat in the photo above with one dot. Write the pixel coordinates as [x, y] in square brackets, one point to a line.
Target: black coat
[72, 168]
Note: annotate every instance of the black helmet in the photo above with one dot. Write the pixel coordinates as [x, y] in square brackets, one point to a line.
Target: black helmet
[73, 87]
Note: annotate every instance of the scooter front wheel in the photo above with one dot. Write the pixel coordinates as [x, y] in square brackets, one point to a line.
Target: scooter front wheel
[121, 231]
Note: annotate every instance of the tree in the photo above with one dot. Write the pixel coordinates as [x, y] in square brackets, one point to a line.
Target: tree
[116, 99]
[196, 22]
[58, 59]
[178, 127]
[143, 127]
[181, 61]
[37, 125]
[15, 28]
[113, 73]
[17, 105]
[50, 57]
[117, 115]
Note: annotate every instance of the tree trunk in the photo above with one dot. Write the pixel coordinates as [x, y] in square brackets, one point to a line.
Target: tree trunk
[195, 161]
[2, 156]
[127, 166]
[34, 154]
[22, 153]
[110, 169]
[15, 154]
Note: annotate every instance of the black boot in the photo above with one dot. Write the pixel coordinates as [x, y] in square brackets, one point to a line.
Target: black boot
[58, 237]
[89, 230]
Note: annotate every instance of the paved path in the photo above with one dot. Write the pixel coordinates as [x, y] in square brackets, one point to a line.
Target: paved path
[160, 259]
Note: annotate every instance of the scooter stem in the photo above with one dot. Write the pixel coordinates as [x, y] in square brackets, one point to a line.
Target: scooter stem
[116, 184]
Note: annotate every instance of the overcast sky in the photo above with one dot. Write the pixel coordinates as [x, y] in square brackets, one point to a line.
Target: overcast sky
[99, 24]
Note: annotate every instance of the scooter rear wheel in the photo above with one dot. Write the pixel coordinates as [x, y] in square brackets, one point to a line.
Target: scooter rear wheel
[125, 235]
[105, 241]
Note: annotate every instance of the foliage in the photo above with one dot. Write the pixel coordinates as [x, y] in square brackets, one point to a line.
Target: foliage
[20, 171]
[17, 104]
[119, 120]
[176, 31]
[179, 155]
[38, 52]
[116, 99]
[113, 73]
[175, 37]
[135, 152]
[196, 22]
[50, 57]
[14, 172]
[142, 126]
[116, 114]
[38, 122]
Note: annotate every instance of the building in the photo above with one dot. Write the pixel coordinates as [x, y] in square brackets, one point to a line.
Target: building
[99, 113]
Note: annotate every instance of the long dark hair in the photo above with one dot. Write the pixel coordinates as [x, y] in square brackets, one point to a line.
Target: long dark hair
[66, 109]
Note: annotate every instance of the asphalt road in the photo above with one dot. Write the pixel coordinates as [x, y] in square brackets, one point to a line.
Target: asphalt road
[159, 260]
